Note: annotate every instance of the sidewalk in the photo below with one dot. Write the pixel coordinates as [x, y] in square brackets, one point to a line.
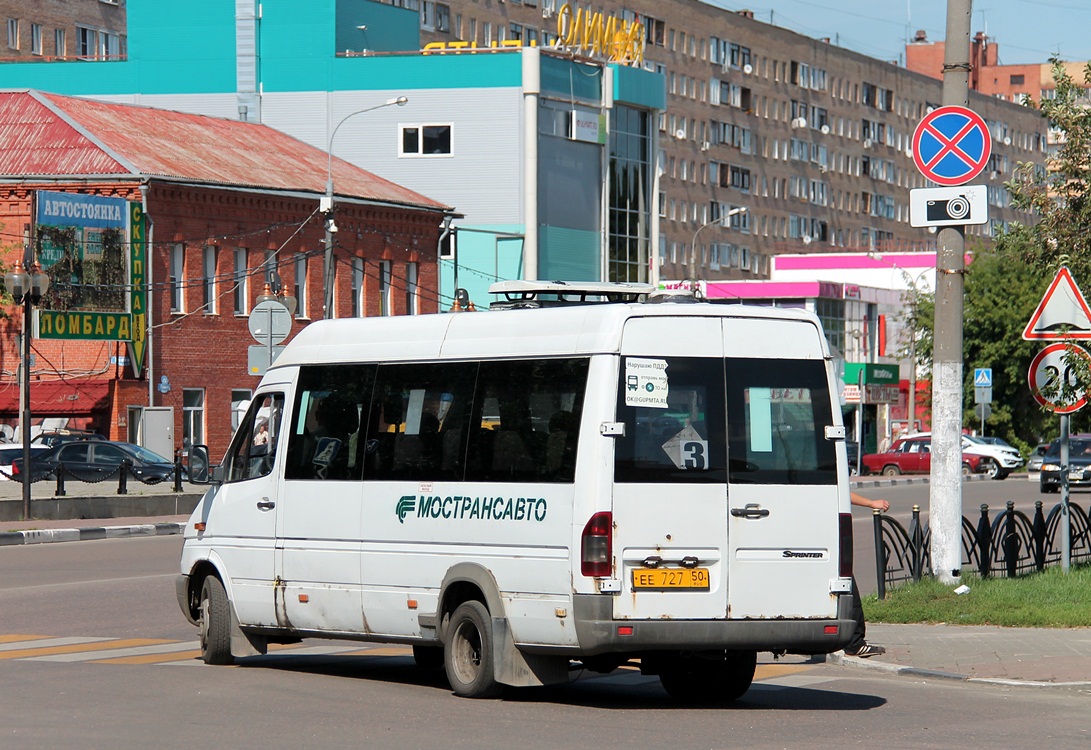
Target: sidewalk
[1029, 657]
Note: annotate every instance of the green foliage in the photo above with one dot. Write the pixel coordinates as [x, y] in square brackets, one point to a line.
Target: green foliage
[1052, 599]
[1004, 284]
[1058, 195]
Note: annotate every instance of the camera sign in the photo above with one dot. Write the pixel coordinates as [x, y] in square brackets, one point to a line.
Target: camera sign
[948, 206]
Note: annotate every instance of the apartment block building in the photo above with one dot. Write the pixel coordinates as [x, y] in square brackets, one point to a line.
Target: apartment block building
[813, 140]
[64, 29]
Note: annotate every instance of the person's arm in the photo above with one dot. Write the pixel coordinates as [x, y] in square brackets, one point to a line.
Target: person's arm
[863, 502]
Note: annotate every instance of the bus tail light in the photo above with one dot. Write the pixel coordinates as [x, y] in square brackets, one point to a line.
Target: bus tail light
[596, 546]
[844, 549]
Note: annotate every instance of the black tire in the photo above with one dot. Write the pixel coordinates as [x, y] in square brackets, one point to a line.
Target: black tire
[1049, 489]
[966, 470]
[710, 678]
[1001, 475]
[428, 658]
[215, 623]
[891, 471]
[990, 468]
[468, 652]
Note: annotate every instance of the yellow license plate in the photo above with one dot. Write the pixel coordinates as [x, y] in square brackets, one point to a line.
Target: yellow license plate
[667, 579]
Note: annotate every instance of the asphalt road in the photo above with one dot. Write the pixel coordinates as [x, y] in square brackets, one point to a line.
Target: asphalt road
[127, 677]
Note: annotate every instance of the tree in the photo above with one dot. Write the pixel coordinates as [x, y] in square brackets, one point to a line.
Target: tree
[1059, 193]
[1004, 286]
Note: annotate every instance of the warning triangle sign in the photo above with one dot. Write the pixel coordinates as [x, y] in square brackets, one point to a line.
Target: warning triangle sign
[1063, 312]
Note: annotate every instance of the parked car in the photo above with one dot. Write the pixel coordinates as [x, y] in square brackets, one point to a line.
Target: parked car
[998, 458]
[53, 438]
[91, 459]
[1079, 464]
[912, 455]
[11, 451]
[1035, 462]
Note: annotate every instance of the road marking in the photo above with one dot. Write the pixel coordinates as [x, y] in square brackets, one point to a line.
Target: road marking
[15, 638]
[156, 649]
[76, 645]
[42, 641]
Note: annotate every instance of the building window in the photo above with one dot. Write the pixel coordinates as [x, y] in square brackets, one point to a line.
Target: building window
[515, 31]
[13, 33]
[177, 266]
[109, 46]
[426, 140]
[384, 288]
[357, 287]
[241, 278]
[435, 16]
[86, 42]
[35, 39]
[60, 43]
[301, 285]
[629, 196]
[208, 281]
[193, 417]
[1017, 80]
[412, 304]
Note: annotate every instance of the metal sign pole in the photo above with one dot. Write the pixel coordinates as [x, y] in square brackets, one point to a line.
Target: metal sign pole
[1066, 517]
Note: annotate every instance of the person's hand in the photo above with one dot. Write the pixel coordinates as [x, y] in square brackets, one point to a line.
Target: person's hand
[882, 505]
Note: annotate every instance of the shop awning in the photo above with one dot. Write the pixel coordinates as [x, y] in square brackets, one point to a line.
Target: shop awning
[56, 398]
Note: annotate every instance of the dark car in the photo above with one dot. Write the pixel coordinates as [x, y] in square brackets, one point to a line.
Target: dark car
[91, 460]
[853, 451]
[1079, 464]
[53, 438]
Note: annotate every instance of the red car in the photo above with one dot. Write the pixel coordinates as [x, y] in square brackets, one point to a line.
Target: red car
[912, 455]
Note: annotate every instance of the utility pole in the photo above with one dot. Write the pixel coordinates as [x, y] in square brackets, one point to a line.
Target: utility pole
[945, 510]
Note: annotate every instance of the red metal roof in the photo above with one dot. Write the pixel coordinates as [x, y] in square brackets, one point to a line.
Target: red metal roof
[50, 135]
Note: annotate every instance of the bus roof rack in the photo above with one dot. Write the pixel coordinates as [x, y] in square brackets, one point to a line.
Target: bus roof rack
[521, 294]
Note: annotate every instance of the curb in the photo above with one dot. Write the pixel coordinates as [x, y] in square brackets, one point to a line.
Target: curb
[921, 479]
[840, 658]
[45, 536]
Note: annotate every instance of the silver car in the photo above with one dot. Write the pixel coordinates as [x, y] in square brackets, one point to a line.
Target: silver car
[1035, 462]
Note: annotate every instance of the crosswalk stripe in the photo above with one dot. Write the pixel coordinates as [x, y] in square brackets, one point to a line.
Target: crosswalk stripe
[43, 642]
[158, 648]
[83, 645]
[16, 638]
[178, 656]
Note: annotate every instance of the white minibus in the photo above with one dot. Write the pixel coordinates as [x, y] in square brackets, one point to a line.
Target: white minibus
[521, 493]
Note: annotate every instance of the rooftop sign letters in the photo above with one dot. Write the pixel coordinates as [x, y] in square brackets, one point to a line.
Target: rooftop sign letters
[580, 32]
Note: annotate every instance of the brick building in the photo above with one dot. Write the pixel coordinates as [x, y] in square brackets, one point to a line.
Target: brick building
[987, 75]
[50, 30]
[227, 203]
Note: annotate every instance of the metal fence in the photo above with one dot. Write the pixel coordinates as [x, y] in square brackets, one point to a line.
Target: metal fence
[1011, 544]
[122, 474]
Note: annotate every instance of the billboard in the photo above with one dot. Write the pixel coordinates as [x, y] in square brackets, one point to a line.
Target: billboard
[92, 248]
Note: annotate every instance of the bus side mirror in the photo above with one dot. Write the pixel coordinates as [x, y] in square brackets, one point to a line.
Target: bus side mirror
[200, 469]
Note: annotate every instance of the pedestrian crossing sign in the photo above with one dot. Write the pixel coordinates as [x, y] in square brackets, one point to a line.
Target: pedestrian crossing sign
[983, 377]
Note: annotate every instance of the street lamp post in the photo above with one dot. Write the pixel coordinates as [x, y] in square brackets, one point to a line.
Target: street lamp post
[693, 244]
[327, 201]
[26, 287]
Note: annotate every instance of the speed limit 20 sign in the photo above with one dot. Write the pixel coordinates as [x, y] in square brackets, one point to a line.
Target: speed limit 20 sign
[1053, 383]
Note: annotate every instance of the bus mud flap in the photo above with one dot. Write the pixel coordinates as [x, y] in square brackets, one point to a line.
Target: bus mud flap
[518, 669]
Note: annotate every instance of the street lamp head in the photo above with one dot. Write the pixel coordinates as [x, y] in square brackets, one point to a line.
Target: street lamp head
[401, 101]
[16, 281]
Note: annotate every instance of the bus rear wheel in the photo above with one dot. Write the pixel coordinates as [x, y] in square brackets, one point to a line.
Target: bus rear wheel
[468, 652]
[709, 678]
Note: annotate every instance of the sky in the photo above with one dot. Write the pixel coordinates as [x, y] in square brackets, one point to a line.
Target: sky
[1027, 31]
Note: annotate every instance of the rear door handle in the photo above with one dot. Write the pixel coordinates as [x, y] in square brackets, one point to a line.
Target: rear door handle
[752, 510]
[266, 504]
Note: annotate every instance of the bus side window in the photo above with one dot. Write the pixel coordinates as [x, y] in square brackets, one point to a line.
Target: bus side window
[329, 420]
[253, 451]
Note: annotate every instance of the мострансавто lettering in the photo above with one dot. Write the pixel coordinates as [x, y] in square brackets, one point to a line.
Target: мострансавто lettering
[466, 507]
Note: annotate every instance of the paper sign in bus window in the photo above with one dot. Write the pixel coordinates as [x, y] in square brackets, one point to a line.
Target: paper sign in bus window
[646, 382]
[687, 449]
